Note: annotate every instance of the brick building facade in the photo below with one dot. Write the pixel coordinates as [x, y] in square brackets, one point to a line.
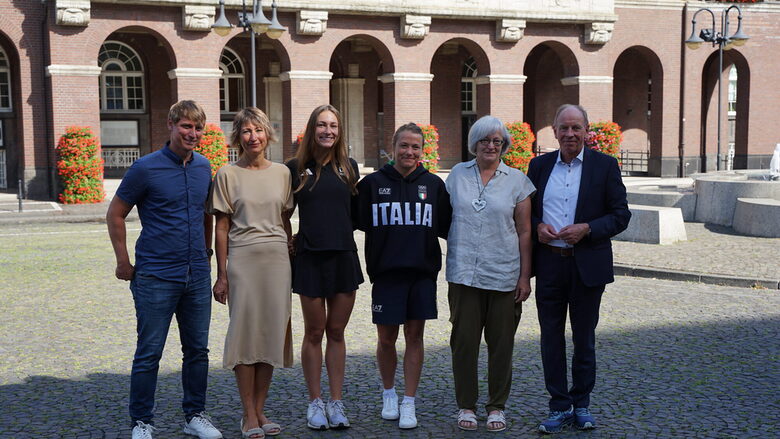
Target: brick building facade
[118, 66]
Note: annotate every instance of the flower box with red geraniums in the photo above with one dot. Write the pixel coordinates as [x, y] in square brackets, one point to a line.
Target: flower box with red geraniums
[605, 137]
[520, 152]
[213, 147]
[80, 167]
[430, 152]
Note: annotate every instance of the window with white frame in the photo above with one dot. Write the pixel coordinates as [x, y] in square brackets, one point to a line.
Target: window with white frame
[733, 92]
[5, 82]
[122, 78]
[468, 89]
[231, 86]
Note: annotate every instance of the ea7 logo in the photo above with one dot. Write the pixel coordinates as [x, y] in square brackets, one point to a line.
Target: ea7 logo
[384, 191]
[376, 308]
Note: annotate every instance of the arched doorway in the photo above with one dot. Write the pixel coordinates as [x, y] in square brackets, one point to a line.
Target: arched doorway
[637, 106]
[455, 101]
[358, 63]
[9, 151]
[547, 68]
[135, 94]
[735, 108]
[236, 86]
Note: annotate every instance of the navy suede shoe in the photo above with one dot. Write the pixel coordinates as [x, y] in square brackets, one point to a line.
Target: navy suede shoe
[583, 419]
[557, 421]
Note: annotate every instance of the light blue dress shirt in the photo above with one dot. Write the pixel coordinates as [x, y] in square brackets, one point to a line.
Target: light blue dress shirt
[561, 194]
[482, 246]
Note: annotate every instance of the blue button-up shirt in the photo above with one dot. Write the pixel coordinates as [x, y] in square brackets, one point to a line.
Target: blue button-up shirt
[171, 198]
[561, 195]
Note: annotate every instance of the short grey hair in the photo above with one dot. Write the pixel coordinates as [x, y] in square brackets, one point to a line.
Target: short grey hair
[485, 126]
[564, 107]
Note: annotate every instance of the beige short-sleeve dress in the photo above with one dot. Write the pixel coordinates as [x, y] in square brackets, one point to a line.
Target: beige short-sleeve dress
[258, 264]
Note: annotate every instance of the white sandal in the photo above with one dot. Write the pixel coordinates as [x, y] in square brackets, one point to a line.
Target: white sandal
[467, 416]
[498, 418]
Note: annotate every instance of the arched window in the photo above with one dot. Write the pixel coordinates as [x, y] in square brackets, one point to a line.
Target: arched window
[122, 79]
[231, 87]
[5, 82]
[468, 89]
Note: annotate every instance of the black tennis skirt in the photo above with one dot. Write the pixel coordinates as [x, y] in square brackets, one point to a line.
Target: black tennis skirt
[326, 273]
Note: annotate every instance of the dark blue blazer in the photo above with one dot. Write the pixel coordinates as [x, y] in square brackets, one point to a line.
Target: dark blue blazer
[601, 203]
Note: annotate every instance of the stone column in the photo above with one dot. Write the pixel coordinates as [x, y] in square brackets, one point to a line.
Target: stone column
[595, 95]
[274, 108]
[81, 108]
[407, 100]
[200, 85]
[348, 93]
[501, 96]
[306, 89]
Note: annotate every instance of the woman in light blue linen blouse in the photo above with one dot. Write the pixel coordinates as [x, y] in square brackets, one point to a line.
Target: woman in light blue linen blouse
[488, 268]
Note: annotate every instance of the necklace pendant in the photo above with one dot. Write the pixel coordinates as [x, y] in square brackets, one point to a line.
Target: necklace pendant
[478, 204]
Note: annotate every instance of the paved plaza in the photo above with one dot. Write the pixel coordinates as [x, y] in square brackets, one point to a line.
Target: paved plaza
[676, 359]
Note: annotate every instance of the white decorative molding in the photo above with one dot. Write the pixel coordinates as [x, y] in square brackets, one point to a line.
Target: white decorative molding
[198, 18]
[406, 76]
[306, 74]
[73, 12]
[72, 70]
[194, 72]
[415, 27]
[574, 80]
[312, 22]
[598, 33]
[509, 31]
[501, 79]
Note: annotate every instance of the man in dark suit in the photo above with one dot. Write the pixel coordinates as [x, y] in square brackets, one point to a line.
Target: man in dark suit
[579, 205]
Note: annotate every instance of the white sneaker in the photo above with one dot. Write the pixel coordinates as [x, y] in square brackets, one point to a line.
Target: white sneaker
[142, 431]
[390, 406]
[315, 415]
[200, 425]
[407, 419]
[336, 416]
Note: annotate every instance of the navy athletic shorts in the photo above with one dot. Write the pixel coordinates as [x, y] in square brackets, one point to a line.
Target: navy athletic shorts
[400, 296]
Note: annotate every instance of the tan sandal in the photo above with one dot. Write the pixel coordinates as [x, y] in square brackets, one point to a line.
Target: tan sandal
[271, 429]
[467, 416]
[252, 433]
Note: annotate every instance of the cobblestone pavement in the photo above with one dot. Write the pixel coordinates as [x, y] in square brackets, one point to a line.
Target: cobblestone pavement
[675, 359]
[710, 249]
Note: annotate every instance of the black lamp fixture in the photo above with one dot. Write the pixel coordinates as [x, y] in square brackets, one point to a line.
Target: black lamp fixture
[254, 23]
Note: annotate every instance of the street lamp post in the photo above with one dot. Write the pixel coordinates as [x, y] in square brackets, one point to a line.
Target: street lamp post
[254, 22]
[724, 42]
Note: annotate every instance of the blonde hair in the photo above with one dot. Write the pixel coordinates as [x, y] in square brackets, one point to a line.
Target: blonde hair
[337, 156]
[187, 109]
[256, 117]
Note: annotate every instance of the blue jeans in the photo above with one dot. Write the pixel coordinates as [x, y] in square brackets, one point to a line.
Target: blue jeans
[156, 301]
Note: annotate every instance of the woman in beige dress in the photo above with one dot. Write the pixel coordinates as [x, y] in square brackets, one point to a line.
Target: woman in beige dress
[252, 201]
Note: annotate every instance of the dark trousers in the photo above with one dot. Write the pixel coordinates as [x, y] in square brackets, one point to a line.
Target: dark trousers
[559, 289]
[472, 311]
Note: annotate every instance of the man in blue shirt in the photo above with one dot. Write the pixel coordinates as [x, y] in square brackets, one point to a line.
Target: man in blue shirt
[579, 205]
[172, 274]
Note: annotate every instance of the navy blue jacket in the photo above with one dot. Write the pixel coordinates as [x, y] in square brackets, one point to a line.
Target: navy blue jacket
[601, 203]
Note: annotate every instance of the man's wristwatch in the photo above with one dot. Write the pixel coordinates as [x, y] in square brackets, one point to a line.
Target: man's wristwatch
[209, 252]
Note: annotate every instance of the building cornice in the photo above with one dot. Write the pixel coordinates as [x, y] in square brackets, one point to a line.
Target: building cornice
[568, 11]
